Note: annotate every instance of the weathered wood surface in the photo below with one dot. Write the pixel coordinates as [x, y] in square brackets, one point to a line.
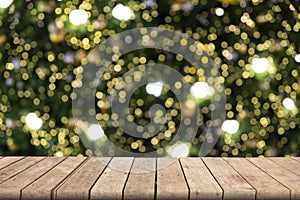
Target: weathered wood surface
[149, 178]
[233, 184]
[286, 177]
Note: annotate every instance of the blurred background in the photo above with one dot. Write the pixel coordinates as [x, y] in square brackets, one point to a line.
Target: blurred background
[43, 49]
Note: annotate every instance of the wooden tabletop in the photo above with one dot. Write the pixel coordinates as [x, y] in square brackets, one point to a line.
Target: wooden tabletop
[149, 178]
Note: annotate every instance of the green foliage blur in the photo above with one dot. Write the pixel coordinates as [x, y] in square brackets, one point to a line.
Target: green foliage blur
[42, 55]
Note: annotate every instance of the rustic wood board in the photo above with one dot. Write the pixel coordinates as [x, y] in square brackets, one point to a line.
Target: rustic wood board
[265, 186]
[149, 178]
[11, 189]
[9, 160]
[42, 188]
[142, 169]
[83, 179]
[171, 182]
[234, 186]
[17, 167]
[284, 176]
[296, 158]
[288, 163]
[116, 173]
[201, 182]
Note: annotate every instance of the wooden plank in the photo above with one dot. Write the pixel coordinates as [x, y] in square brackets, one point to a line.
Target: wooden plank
[116, 173]
[288, 163]
[281, 174]
[41, 188]
[5, 161]
[171, 182]
[17, 167]
[266, 187]
[296, 158]
[234, 186]
[194, 178]
[201, 183]
[11, 189]
[83, 179]
[141, 180]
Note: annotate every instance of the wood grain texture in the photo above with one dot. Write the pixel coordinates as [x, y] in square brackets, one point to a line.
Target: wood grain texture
[296, 158]
[201, 183]
[5, 161]
[284, 176]
[288, 163]
[11, 189]
[265, 186]
[114, 176]
[41, 188]
[171, 182]
[234, 186]
[141, 180]
[17, 167]
[149, 178]
[83, 179]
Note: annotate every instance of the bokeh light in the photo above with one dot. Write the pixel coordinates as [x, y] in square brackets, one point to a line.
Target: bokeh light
[256, 45]
[33, 121]
[297, 58]
[288, 103]
[179, 150]
[260, 65]
[95, 132]
[230, 126]
[154, 88]
[121, 12]
[59, 154]
[200, 90]
[5, 3]
[78, 17]
[219, 11]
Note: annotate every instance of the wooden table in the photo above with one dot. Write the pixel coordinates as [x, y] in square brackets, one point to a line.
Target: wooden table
[184, 178]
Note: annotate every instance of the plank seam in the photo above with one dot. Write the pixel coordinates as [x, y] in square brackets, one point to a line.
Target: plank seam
[59, 184]
[277, 163]
[39, 177]
[92, 186]
[295, 159]
[213, 177]
[272, 177]
[123, 189]
[155, 181]
[12, 162]
[22, 170]
[242, 176]
[187, 184]
[274, 161]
